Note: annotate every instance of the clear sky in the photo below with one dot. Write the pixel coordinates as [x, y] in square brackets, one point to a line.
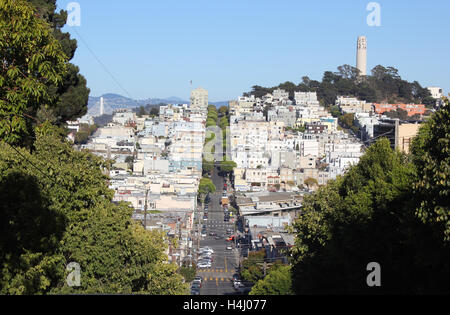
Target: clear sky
[155, 48]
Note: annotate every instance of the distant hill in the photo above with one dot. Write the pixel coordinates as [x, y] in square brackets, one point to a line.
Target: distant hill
[219, 104]
[115, 101]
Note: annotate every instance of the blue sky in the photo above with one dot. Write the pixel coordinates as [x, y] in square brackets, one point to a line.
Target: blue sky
[154, 48]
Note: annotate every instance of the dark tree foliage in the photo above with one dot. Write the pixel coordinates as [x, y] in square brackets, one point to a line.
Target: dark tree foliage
[369, 215]
[73, 93]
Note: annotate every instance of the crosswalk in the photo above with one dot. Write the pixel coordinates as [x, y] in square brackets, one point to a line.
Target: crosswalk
[218, 279]
[218, 224]
[213, 270]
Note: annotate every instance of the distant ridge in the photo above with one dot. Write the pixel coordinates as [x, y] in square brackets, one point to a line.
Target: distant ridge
[115, 101]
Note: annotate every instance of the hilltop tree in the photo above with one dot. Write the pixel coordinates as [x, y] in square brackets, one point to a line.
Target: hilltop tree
[385, 84]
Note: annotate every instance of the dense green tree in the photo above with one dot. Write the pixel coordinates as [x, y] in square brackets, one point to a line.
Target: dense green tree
[32, 63]
[210, 123]
[142, 111]
[227, 166]
[253, 266]
[224, 122]
[431, 152]
[154, 111]
[207, 167]
[188, 273]
[72, 94]
[206, 186]
[84, 133]
[277, 282]
[223, 110]
[57, 208]
[347, 120]
[368, 215]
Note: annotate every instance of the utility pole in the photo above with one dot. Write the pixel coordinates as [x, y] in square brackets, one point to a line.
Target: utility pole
[145, 209]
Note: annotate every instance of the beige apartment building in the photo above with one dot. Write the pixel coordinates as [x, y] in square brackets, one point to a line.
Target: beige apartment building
[404, 135]
[199, 99]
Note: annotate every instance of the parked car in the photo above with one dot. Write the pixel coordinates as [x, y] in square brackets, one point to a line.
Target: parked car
[212, 234]
[237, 285]
[203, 264]
[206, 249]
[198, 279]
[195, 291]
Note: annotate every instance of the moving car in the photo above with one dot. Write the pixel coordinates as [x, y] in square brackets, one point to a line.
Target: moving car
[229, 247]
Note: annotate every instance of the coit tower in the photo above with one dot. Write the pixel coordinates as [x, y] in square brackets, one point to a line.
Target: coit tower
[102, 107]
[361, 55]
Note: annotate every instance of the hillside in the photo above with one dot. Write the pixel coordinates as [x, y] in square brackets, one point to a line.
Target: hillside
[383, 85]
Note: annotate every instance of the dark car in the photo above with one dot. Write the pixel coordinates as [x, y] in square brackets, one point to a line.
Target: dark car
[218, 237]
[212, 234]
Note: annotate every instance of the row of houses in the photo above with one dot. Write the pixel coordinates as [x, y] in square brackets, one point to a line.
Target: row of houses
[157, 167]
[291, 147]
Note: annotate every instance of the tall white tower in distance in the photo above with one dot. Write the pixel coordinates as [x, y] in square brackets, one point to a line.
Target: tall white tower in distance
[102, 107]
[361, 55]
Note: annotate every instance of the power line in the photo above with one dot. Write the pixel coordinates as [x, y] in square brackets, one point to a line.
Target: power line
[103, 65]
[31, 163]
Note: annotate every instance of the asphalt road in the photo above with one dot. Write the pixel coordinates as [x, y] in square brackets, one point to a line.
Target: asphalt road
[217, 280]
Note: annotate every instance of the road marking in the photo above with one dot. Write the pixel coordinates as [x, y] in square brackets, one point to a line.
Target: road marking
[226, 268]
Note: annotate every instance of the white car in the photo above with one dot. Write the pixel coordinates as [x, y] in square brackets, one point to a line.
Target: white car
[229, 247]
[203, 265]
